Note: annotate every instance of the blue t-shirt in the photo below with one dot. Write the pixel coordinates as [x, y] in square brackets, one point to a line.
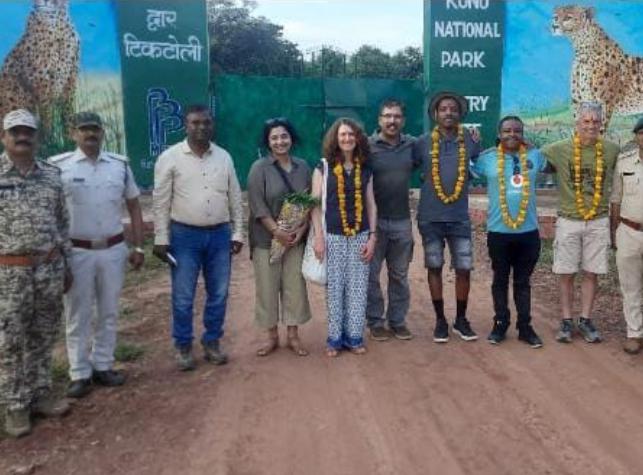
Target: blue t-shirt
[487, 165]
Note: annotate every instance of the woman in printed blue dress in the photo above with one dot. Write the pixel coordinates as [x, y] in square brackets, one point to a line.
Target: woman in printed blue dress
[513, 240]
[349, 238]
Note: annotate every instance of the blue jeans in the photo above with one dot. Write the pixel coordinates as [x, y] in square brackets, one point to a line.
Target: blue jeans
[457, 234]
[199, 249]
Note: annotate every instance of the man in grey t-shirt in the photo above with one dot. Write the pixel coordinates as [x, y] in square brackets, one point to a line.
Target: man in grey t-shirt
[392, 161]
[443, 211]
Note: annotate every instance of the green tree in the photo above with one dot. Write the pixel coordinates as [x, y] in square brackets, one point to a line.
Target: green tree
[407, 63]
[369, 61]
[326, 61]
[241, 43]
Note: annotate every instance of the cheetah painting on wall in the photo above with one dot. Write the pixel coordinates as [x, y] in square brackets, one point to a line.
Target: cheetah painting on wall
[559, 54]
[58, 57]
[601, 72]
[41, 70]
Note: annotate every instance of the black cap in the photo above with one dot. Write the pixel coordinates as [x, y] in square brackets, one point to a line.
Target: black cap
[435, 100]
[638, 126]
[84, 119]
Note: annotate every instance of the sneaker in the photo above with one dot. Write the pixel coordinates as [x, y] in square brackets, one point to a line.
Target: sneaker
[498, 332]
[441, 332]
[48, 406]
[379, 333]
[108, 378]
[462, 328]
[565, 333]
[212, 353]
[402, 332]
[79, 388]
[17, 423]
[184, 359]
[588, 330]
[529, 336]
[633, 346]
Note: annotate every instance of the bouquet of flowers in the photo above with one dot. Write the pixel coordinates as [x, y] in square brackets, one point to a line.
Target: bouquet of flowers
[293, 214]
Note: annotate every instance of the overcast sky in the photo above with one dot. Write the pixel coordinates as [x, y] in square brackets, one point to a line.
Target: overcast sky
[347, 24]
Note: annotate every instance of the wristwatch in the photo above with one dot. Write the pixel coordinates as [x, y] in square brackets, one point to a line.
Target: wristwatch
[139, 250]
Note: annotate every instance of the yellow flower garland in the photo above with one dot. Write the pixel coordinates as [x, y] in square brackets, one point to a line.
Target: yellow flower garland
[588, 214]
[435, 166]
[338, 170]
[502, 188]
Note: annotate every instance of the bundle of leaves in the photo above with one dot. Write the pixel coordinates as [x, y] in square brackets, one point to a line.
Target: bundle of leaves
[294, 214]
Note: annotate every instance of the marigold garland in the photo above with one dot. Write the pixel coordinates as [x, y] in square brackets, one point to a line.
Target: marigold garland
[588, 214]
[338, 170]
[502, 188]
[435, 166]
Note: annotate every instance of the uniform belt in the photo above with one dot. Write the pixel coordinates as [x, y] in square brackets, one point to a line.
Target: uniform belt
[99, 243]
[30, 260]
[632, 224]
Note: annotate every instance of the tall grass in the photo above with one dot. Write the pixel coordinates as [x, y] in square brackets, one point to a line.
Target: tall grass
[100, 93]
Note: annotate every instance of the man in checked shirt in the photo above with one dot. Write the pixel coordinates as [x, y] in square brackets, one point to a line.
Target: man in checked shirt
[198, 220]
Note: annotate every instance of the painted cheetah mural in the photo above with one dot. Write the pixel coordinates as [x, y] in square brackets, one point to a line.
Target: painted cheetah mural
[41, 70]
[601, 71]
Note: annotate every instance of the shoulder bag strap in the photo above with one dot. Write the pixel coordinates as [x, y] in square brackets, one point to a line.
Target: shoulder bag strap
[324, 192]
[284, 177]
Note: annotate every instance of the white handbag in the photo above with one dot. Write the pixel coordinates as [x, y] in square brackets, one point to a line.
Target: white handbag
[312, 268]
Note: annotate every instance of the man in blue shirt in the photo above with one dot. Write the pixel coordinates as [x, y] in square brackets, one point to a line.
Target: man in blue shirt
[512, 225]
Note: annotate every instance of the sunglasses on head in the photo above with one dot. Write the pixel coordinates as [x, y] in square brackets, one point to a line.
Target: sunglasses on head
[516, 165]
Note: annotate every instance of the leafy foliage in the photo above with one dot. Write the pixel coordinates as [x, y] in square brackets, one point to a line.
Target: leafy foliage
[241, 43]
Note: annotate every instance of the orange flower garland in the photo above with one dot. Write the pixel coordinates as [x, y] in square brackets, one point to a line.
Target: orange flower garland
[338, 170]
[588, 214]
[502, 188]
[435, 166]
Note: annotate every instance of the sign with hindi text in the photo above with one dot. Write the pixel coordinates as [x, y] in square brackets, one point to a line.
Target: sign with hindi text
[165, 67]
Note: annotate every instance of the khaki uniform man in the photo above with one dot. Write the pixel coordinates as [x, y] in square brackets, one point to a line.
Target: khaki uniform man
[34, 240]
[627, 236]
[96, 184]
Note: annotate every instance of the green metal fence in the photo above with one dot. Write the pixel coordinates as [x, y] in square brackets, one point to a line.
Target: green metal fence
[243, 103]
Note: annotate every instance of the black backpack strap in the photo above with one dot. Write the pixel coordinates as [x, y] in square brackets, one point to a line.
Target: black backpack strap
[284, 177]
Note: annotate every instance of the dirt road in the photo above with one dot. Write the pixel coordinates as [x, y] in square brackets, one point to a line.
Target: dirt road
[404, 408]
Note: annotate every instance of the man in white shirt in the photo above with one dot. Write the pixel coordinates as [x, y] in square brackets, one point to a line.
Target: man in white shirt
[96, 184]
[198, 220]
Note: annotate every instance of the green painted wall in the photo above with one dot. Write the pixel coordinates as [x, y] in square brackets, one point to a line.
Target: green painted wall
[243, 103]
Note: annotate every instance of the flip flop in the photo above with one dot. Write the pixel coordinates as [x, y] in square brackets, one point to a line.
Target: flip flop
[294, 344]
[332, 352]
[271, 345]
[358, 350]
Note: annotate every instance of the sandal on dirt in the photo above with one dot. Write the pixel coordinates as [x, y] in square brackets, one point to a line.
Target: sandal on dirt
[269, 347]
[358, 350]
[332, 352]
[294, 344]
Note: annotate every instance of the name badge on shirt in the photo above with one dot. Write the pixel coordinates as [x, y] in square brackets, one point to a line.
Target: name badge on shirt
[8, 192]
[78, 180]
[517, 181]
